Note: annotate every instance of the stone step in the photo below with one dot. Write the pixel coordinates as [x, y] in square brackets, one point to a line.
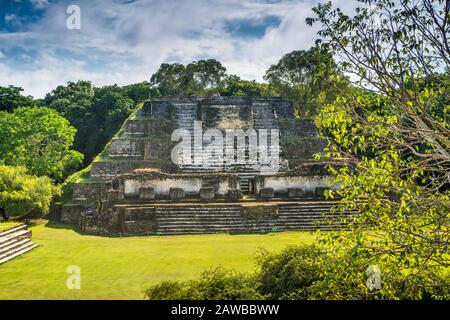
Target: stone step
[308, 222]
[13, 245]
[194, 206]
[192, 211]
[305, 207]
[189, 218]
[12, 230]
[223, 227]
[11, 241]
[220, 218]
[199, 219]
[15, 235]
[305, 210]
[174, 216]
[312, 210]
[310, 218]
[198, 210]
[17, 252]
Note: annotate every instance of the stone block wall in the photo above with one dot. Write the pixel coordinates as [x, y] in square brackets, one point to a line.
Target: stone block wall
[87, 191]
[135, 127]
[192, 185]
[133, 148]
[71, 213]
[294, 186]
[110, 169]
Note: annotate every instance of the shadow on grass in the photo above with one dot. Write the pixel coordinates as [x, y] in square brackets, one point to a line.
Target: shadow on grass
[72, 227]
[59, 225]
[62, 226]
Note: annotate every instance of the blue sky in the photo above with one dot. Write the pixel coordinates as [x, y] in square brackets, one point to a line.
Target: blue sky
[125, 41]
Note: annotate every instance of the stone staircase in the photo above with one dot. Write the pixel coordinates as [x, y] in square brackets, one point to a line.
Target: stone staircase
[263, 117]
[197, 219]
[15, 242]
[192, 218]
[245, 182]
[185, 115]
[308, 215]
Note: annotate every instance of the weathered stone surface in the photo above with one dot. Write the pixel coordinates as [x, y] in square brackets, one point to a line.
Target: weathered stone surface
[158, 149]
[176, 194]
[139, 227]
[298, 127]
[110, 169]
[298, 147]
[207, 193]
[146, 193]
[93, 190]
[114, 195]
[135, 127]
[234, 194]
[133, 148]
[266, 193]
[259, 212]
[296, 192]
[71, 213]
[159, 127]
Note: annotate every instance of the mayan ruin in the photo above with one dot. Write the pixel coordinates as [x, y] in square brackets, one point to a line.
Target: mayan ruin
[135, 187]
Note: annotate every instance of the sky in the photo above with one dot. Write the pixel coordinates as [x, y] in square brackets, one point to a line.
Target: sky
[125, 41]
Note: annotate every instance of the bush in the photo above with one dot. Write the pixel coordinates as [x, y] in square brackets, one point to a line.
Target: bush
[214, 284]
[22, 194]
[306, 272]
[289, 273]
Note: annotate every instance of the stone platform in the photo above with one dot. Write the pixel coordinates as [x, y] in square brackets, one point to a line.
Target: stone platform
[165, 218]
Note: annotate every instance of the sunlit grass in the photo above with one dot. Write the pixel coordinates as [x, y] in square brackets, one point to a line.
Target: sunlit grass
[121, 268]
[7, 225]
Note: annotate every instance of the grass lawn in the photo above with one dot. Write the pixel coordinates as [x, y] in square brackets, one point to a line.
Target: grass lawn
[7, 225]
[121, 268]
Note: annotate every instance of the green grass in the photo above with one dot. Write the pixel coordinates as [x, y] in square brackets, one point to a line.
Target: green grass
[121, 268]
[7, 225]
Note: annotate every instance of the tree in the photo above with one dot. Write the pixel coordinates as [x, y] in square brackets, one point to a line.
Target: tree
[235, 86]
[169, 79]
[398, 141]
[111, 107]
[11, 98]
[307, 78]
[39, 139]
[24, 194]
[96, 113]
[203, 76]
[74, 102]
[138, 92]
[196, 78]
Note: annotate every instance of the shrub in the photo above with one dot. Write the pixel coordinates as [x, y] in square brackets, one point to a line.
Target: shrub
[307, 272]
[22, 194]
[214, 284]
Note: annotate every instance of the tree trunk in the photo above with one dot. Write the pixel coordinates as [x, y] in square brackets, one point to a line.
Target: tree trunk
[3, 214]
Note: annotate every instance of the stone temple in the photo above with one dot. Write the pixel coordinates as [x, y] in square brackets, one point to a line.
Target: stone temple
[186, 165]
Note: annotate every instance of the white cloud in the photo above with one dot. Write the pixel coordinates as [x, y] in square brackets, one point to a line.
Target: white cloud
[10, 17]
[39, 3]
[126, 43]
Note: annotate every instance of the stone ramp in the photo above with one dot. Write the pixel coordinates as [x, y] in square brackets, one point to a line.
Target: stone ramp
[194, 218]
[15, 242]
